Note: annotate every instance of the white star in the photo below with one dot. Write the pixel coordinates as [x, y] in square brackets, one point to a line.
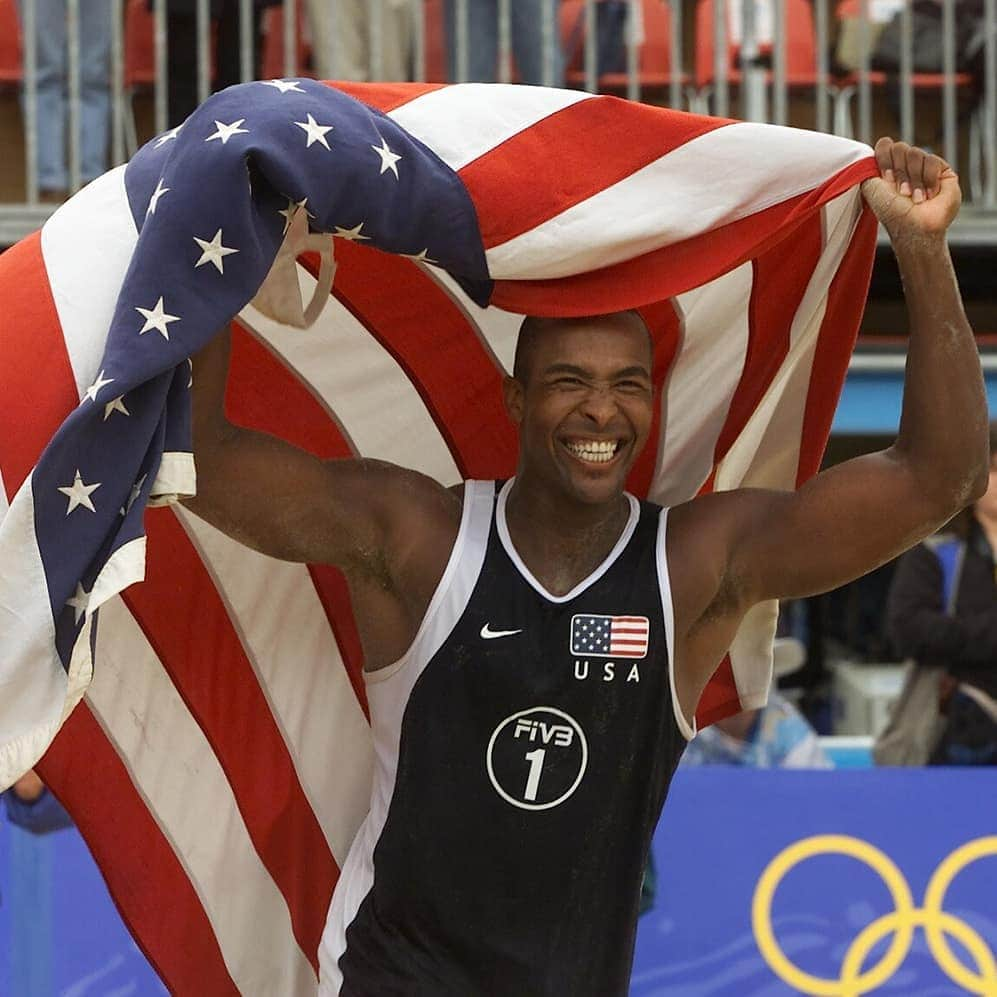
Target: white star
[314, 131]
[156, 195]
[79, 493]
[422, 257]
[190, 376]
[115, 405]
[168, 136]
[225, 132]
[388, 158]
[291, 210]
[156, 318]
[284, 86]
[94, 388]
[213, 252]
[133, 495]
[79, 602]
[352, 234]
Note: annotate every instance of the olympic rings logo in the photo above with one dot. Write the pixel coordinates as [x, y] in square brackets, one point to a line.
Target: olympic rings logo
[937, 924]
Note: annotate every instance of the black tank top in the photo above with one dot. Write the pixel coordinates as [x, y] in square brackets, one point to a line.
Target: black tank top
[536, 741]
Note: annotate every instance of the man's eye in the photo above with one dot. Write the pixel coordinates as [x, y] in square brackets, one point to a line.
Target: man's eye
[570, 382]
[632, 386]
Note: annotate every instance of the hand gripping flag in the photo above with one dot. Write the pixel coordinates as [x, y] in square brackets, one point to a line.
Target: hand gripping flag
[207, 727]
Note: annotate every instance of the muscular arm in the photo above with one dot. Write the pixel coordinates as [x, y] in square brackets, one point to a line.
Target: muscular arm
[289, 504]
[847, 520]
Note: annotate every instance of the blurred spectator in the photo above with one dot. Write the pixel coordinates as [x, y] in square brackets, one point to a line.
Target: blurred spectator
[181, 50]
[527, 40]
[776, 736]
[31, 806]
[961, 644]
[52, 78]
[343, 43]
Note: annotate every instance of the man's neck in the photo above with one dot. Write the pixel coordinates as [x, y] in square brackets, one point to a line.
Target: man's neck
[560, 540]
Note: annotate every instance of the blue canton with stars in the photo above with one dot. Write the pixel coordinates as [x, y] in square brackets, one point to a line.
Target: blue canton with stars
[212, 200]
[590, 634]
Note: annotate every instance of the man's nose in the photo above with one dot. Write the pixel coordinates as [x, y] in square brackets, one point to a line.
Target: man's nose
[599, 406]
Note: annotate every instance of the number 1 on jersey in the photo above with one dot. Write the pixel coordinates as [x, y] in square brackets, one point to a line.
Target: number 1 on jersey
[536, 760]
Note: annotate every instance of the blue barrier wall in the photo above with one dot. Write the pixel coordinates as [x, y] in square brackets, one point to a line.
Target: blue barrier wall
[852, 838]
[856, 835]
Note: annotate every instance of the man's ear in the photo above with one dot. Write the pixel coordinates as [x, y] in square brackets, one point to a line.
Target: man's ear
[513, 395]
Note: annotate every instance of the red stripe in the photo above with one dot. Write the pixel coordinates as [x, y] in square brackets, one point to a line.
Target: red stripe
[442, 356]
[146, 879]
[780, 279]
[578, 151]
[264, 394]
[663, 323]
[32, 407]
[720, 698]
[143, 874]
[835, 342]
[384, 97]
[189, 628]
[673, 269]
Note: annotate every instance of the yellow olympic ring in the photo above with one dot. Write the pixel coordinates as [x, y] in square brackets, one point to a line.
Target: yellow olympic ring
[853, 982]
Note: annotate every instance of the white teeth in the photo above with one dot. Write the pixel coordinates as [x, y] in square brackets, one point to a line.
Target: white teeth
[595, 451]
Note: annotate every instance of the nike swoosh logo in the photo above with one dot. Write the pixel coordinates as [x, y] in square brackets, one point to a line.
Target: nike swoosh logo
[488, 634]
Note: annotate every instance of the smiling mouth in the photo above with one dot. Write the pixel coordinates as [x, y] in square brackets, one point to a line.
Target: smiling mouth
[593, 451]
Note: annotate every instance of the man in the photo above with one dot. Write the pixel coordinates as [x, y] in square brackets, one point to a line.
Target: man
[942, 613]
[534, 660]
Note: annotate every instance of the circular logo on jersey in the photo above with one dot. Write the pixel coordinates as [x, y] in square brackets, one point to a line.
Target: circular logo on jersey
[536, 758]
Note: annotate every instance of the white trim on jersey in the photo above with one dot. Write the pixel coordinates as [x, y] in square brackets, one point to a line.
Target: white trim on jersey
[388, 692]
[510, 549]
[665, 589]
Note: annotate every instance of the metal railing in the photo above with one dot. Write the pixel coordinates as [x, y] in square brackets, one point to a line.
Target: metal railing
[765, 60]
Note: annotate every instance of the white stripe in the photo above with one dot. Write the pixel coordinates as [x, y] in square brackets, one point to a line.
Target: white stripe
[179, 777]
[286, 635]
[33, 683]
[4, 504]
[388, 692]
[701, 384]
[667, 201]
[687, 729]
[462, 122]
[497, 330]
[767, 452]
[87, 246]
[361, 385]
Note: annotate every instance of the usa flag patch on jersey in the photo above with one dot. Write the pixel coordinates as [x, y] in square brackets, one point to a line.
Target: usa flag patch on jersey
[609, 636]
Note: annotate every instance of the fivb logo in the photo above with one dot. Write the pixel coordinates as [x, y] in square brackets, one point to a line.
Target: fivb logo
[561, 734]
[536, 758]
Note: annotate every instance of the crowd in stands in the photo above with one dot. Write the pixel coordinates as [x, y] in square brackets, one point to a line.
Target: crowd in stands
[377, 39]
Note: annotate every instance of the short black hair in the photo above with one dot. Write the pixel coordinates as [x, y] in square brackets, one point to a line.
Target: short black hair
[534, 326]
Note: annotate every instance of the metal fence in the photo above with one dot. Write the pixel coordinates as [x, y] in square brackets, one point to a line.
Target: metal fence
[822, 64]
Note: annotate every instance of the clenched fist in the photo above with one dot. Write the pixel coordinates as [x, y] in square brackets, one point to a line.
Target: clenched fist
[916, 194]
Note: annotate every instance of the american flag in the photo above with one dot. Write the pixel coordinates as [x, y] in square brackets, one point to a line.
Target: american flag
[210, 735]
[609, 636]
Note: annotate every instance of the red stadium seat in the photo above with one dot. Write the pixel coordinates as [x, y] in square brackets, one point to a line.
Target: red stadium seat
[10, 44]
[272, 61]
[654, 56]
[801, 49]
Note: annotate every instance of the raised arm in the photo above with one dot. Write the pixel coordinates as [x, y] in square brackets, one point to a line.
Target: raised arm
[859, 514]
[289, 504]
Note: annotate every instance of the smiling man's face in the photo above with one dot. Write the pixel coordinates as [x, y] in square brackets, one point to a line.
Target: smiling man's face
[583, 402]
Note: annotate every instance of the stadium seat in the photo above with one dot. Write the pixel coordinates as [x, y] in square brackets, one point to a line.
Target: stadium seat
[801, 49]
[10, 44]
[654, 56]
[272, 60]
